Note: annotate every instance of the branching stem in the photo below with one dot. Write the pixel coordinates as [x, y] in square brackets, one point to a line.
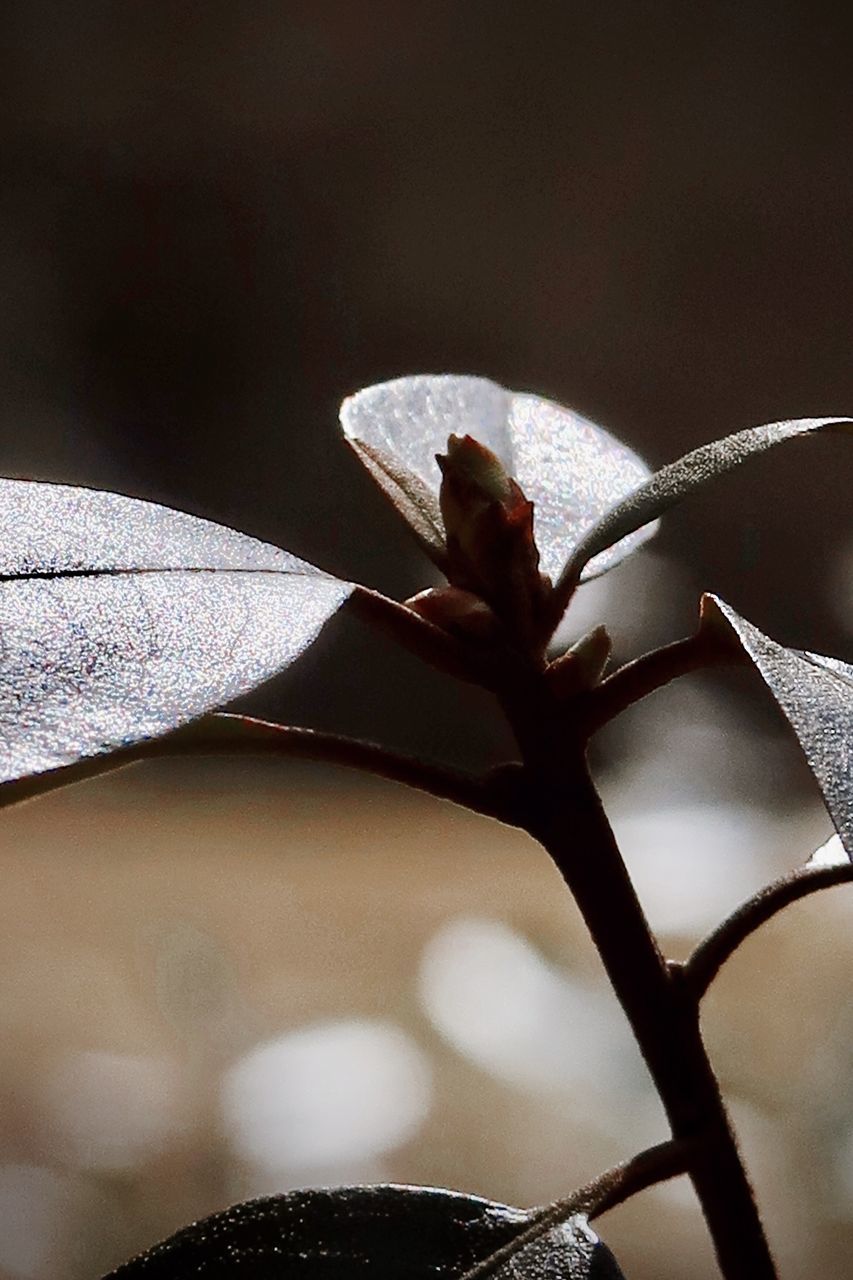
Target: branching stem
[564, 812]
[713, 952]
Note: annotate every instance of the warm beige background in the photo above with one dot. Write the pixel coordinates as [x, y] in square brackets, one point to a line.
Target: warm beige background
[214, 222]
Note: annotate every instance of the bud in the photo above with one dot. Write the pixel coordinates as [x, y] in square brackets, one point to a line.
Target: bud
[457, 611]
[488, 524]
[473, 479]
[582, 666]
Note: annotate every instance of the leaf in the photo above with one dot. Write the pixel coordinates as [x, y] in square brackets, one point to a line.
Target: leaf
[408, 494]
[675, 481]
[572, 470]
[374, 1233]
[121, 619]
[570, 1251]
[816, 695]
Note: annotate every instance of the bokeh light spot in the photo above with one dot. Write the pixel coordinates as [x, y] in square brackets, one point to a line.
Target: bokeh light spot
[326, 1095]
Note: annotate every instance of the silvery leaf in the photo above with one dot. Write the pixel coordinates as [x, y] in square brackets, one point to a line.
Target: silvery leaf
[121, 619]
[572, 470]
[369, 1233]
[816, 695]
[675, 481]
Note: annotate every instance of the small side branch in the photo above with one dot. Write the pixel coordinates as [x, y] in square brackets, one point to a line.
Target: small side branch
[712, 953]
[228, 734]
[610, 1189]
[428, 642]
[637, 679]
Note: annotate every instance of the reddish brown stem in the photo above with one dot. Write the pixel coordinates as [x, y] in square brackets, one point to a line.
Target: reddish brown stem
[608, 1190]
[565, 814]
[236, 735]
[641, 677]
[713, 952]
[430, 643]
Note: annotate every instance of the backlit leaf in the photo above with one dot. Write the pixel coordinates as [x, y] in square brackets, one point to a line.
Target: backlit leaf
[675, 481]
[572, 470]
[816, 695]
[121, 619]
[370, 1233]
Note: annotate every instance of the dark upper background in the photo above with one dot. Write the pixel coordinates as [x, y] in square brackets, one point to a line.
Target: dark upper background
[217, 219]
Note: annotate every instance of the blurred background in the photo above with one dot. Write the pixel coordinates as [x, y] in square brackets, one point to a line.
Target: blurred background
[216, 220]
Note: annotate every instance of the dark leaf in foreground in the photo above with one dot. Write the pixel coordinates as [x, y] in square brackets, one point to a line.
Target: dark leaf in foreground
[816, 695]
[675, 481]
[374, 1233]
[120, 620]
[570, 469]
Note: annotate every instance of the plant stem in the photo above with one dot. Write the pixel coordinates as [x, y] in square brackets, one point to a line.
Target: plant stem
[647, 1169]
[713, 952]
[644, 675]
[609, 1189]
[565, 814]
[424, 639]
[227, 734]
